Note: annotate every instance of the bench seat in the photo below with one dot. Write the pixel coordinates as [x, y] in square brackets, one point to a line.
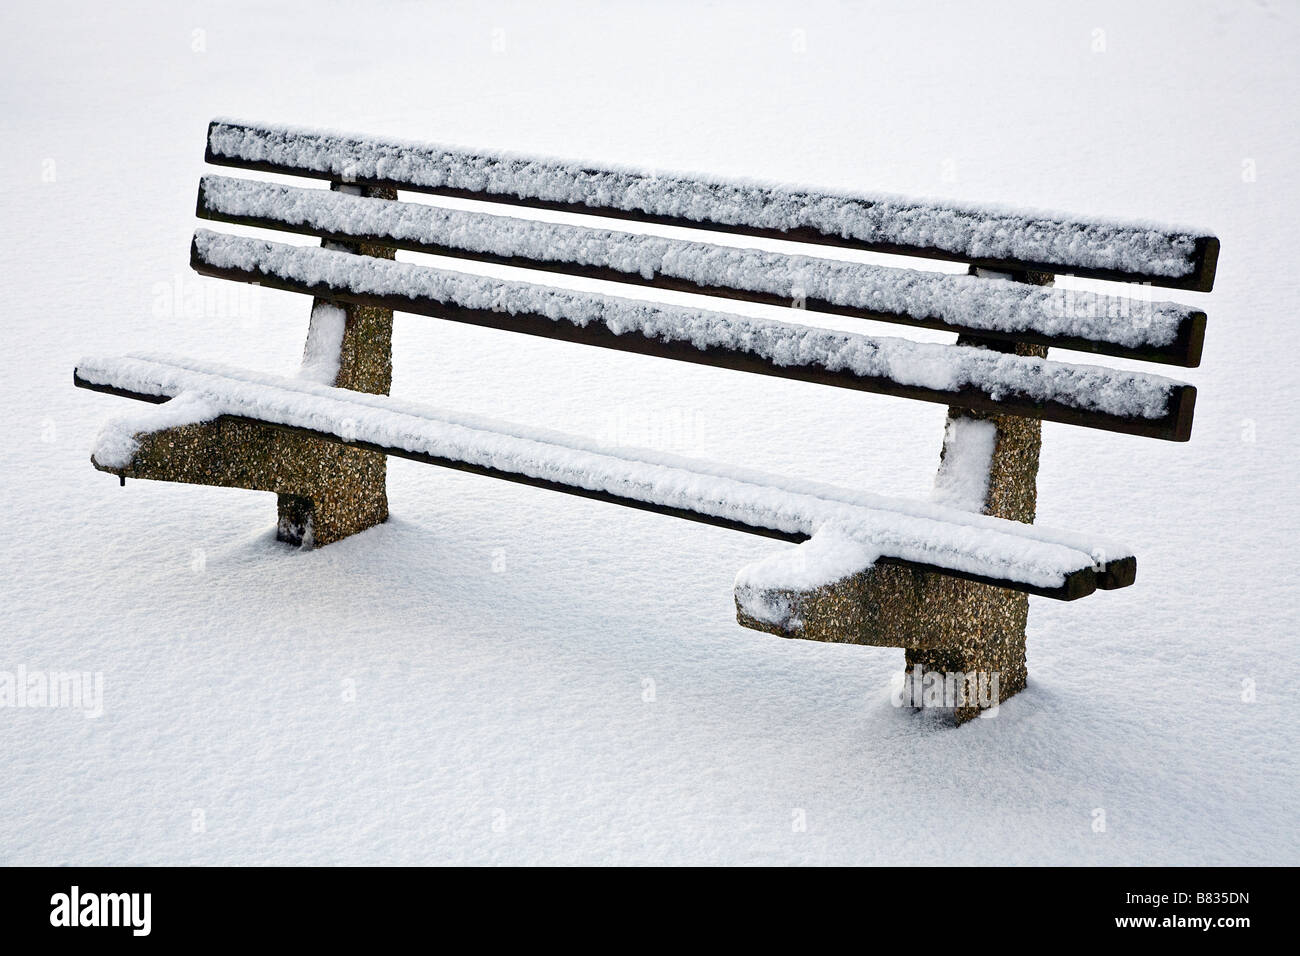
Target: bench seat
[951, 541]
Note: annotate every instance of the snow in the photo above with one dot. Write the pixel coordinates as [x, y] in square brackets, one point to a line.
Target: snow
[958, 300]
[830, 555]
[117, 439]
[501, 675]
[835, 552]
[987, 546]
[962, 480]
[323, 351]
[989, 232]
[999, 375]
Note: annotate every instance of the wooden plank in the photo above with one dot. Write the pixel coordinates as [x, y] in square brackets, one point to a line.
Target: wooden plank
[1175, 425]
[326, 155]
[1077, 584]
[1184, 351]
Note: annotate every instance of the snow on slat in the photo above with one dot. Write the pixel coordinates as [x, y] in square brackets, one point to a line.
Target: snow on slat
[1162, 331]
[1133, 402]
[923, 533]
[989, 235]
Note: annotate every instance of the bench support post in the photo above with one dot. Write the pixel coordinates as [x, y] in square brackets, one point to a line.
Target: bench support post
[326, 491]
[967, 634]
[977, 631]
[964, 641]
[348, 346]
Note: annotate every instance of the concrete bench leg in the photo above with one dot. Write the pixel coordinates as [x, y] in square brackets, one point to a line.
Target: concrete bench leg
[335, 491]
[348, 492]
[326, 491]
[975, 630]
[956, 631]
[343, 494]
[961, 633]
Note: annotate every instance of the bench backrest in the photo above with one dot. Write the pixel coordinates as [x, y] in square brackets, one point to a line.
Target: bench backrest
[1004, 326]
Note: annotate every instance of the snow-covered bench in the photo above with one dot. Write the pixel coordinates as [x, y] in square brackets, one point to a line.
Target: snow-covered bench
[947, 578]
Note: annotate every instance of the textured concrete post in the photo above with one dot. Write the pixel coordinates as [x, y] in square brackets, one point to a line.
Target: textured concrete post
[946, 625]
[348, 492]
[978, 629]
[326, 491]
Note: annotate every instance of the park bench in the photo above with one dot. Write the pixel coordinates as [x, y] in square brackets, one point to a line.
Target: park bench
[947, 579]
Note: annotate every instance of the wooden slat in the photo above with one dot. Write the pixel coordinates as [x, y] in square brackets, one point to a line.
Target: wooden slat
[1185, 350]
[1175, 425]
[328, 156]
[1077, 584]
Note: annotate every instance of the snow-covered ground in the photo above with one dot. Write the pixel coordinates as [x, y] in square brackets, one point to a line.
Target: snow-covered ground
[501, 674]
